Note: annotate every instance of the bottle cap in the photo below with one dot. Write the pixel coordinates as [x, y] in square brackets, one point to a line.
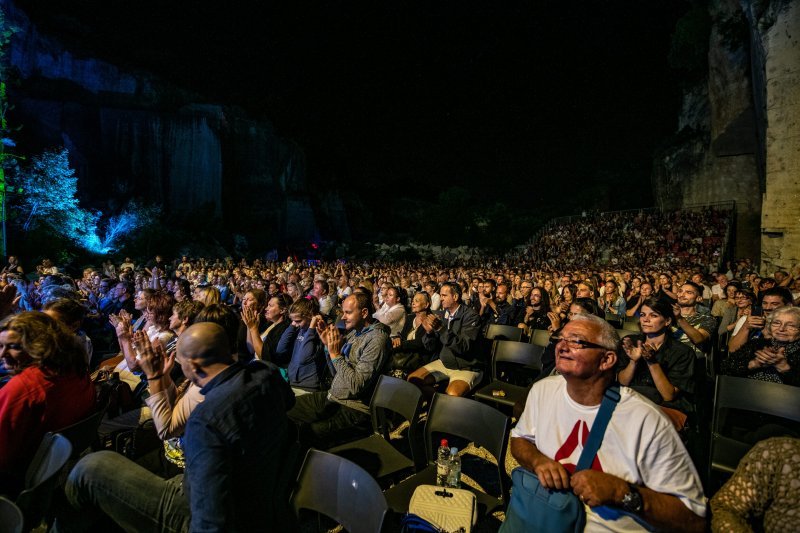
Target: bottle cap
[453, 451]
[444, 443]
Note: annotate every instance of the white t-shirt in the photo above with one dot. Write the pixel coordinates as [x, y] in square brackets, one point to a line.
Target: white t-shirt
[640, 445]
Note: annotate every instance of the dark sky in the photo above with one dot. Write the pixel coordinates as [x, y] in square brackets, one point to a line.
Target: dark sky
[545, 97]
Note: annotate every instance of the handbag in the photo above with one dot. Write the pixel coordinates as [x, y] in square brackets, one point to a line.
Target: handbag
[447, 509]
[536, 508]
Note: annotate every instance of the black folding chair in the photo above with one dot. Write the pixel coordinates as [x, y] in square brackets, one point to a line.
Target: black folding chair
[41, 478]
[375, 453]
[11, 519]
[524, 355]
[471, 420]
[341, 490]
[746, 394]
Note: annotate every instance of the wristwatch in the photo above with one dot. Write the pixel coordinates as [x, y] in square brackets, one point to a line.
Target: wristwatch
[632, 501]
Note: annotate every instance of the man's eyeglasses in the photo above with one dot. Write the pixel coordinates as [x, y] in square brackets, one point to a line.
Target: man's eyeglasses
[579, 344]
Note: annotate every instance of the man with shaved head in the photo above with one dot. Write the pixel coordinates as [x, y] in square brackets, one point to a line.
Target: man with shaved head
[235, 443]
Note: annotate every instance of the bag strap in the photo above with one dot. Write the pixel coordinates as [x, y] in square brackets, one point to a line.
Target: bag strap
[610, 400]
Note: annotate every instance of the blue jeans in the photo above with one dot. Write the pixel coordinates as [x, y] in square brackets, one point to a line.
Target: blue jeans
[133, 497]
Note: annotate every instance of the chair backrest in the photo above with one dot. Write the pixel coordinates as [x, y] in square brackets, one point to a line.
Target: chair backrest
[82, 434]
[500, 332]
[472, 420]
[614, 320]
[11, 519]
[341, 490]
[520, 353]
[747, 394]
[405, 399]
[540, 337]
[42, 476]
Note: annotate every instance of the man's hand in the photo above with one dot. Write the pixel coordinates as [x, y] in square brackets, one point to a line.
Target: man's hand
[334, 341]
[755, 322]
[676, 310]
[396, 342]
[551, 474]
[432, 323]
[598, 488]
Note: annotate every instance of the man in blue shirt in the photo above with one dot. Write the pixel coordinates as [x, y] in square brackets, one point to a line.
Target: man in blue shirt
[236, 444]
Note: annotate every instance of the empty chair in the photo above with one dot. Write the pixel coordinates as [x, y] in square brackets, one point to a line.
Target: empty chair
[11, 518]
[42, 477]
[82, 434]
[774, 399]
[341, 490]
[468, 419]
[375, 453]
[498, 332]
[528, 356]
[540, 337]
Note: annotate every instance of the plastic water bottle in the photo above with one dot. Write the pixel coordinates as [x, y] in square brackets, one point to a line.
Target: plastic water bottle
[454, 476]
[442, 464]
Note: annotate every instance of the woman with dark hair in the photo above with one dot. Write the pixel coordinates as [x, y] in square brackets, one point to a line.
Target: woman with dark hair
[734, 317]
[181, 290]
[656, 365]
[277, 314]
[254, 324]
[568, 294]
[50, 389]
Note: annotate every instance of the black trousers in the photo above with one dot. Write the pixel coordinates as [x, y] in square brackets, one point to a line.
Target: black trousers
[324, 423]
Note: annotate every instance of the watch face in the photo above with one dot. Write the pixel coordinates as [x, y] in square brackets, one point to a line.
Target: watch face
[632, 502]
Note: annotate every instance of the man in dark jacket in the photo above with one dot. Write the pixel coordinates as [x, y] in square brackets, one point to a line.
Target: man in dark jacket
[454, 337]
[236, 444]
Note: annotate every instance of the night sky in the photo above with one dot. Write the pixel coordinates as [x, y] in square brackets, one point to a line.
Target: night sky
[523, 102]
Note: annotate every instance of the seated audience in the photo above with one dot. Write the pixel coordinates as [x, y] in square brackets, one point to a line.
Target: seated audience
[453, 337]
[221, 490]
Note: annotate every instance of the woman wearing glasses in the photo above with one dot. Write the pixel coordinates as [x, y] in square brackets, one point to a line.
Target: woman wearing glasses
[775, 356]
[734, 317]
[657, 366]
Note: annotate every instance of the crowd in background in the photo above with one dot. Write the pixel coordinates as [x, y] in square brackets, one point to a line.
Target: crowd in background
[661, 272]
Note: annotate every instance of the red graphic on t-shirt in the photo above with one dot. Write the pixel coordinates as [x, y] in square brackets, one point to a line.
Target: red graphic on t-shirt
[569, 453]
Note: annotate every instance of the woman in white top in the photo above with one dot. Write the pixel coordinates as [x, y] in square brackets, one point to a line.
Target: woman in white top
[392, 312]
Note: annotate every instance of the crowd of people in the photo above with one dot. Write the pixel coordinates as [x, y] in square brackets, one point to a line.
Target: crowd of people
[201, 344]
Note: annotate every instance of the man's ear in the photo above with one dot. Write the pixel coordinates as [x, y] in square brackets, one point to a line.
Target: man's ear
[197, 370]
[609, 360]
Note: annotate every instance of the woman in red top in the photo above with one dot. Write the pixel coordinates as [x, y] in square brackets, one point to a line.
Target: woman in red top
[50, 389]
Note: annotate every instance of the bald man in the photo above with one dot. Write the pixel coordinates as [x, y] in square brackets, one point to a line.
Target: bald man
[235, 445]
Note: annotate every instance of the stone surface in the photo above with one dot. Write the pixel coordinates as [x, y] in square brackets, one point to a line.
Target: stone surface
[130, 134]
[746, 148]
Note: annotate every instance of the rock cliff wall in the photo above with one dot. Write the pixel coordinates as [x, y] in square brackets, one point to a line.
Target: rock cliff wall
[132, 135]
[738, 137]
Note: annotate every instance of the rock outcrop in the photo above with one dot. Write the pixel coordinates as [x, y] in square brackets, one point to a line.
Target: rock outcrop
[130, 134]
[738, 138]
